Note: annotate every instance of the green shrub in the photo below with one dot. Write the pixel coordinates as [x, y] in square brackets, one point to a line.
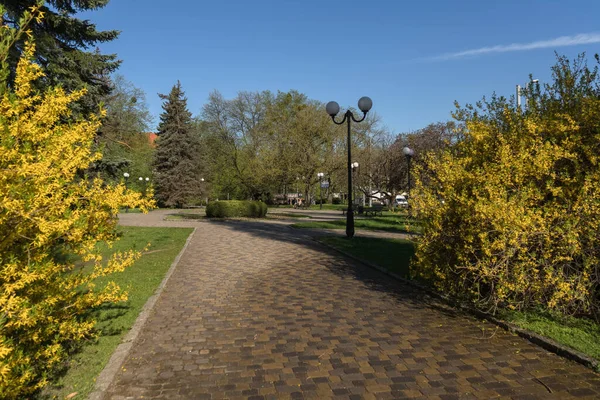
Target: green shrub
[236, 208]
[336, 200]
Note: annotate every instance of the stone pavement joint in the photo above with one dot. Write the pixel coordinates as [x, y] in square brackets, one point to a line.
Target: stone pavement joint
[259, 311]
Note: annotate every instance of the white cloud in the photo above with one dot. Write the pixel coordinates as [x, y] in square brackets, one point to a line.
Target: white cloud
[563, 41]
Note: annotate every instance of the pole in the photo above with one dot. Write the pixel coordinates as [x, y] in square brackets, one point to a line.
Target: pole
[127, 206]
[350, 213]
[518, 95]
[370, 192]
[321, 193]
[408, 191]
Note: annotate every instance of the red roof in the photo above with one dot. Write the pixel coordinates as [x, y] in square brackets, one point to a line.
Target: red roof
[151, 137]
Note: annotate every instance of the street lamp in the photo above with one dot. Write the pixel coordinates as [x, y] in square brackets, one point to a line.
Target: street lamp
[409, 153]
[320, 175]
[354, 168]
[206, 198]
[333, 108]
[126, 175]
[144, 182]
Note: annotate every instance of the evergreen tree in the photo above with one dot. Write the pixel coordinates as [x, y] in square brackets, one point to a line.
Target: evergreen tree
[177, 157]
[65, 47]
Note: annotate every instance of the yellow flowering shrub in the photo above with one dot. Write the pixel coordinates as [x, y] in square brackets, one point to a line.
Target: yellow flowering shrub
[511, 213]
[49, 212]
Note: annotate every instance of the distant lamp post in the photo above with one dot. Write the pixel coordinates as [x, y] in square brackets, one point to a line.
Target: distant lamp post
[333, 108]
[354, 169]
[206, 198]
[144, 182]
[320, 175]
[126, 175]
[409, 153]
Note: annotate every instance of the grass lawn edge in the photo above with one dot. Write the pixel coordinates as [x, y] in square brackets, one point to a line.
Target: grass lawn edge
[118, 357]
[540, 340]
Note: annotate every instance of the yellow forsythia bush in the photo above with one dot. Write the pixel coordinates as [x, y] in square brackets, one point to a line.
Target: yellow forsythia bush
[511, 212]
[49, 211]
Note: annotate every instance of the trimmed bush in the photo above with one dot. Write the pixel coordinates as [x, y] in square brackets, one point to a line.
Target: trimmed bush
[236, 208]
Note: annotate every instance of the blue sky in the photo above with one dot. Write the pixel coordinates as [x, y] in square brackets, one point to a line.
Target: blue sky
[402, 54]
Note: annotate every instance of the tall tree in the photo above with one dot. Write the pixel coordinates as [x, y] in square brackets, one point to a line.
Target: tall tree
[66, 47]
[177, 157]
[122, 138]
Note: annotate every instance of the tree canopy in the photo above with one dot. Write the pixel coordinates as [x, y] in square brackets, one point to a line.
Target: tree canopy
[66, 48]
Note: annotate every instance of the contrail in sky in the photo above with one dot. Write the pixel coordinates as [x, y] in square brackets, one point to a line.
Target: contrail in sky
[563, 41]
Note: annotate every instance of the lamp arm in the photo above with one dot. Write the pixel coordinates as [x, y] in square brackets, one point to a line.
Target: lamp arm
[342, 121]
[358, 120]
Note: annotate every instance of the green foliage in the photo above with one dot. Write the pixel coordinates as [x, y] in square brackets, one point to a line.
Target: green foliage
[47, 214]
[123, 137]
[261, 144]
[66, 48]
[236, 209]
[177, 158]
[511, 213]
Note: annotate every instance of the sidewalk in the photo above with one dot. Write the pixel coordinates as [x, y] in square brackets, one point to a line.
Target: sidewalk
[258, 310]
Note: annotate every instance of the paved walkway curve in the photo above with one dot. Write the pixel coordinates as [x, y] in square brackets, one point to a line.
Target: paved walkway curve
[256, 310]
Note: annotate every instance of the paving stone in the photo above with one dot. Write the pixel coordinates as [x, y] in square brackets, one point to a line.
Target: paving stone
[258, 310]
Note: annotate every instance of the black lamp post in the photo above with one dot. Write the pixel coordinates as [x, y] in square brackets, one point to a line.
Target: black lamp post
[354, 169]
[409, 153]
[320, 175]
[144, 183]
[126, 175]
[202, 183]
[333, 108]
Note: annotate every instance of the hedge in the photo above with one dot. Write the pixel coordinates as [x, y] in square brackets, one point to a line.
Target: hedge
[236, 208]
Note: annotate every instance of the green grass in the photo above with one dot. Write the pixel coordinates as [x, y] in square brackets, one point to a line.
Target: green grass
[113, 322]
[391, 254]
[391, 223]
[287, 215]
[313, 207]
[129, 210]
[184, 216]
[581, 334]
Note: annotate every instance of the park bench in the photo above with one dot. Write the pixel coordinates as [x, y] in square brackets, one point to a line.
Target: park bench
[357, 210]
[376, 209]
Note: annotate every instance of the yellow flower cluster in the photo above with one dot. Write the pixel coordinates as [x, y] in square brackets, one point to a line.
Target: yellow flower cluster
[49, 211]
[512, 218]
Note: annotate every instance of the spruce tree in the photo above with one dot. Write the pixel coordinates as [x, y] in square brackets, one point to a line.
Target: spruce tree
[66, 48]
[177, 157]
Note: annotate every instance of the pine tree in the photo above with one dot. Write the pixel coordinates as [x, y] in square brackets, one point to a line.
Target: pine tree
[65, 48]
[177, 157]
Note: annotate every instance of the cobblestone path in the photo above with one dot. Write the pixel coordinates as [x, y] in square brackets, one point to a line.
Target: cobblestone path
[255, 310]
